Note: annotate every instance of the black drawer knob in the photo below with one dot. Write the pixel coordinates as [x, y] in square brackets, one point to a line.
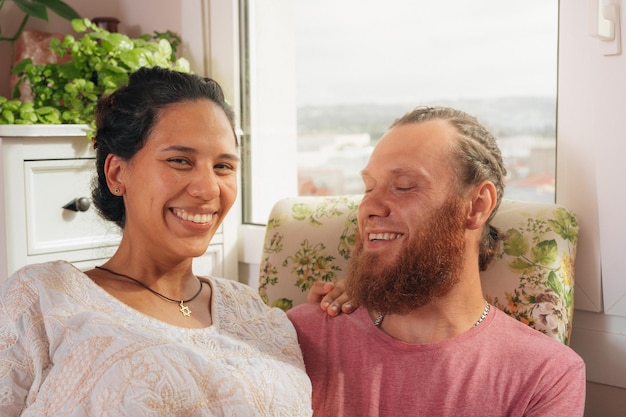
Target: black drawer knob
[78, 204]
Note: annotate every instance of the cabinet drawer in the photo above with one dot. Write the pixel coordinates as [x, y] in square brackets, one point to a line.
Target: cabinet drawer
[50, 185]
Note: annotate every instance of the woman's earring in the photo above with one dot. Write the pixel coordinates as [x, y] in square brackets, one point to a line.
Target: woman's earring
[116, 191]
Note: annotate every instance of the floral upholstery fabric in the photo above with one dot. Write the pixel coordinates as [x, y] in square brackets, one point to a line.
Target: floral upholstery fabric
[532, 279]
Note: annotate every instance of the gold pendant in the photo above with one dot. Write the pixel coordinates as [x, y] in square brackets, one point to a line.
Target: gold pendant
[185, 310]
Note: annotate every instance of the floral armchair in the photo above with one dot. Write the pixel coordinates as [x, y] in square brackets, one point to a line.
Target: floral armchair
[309, 239]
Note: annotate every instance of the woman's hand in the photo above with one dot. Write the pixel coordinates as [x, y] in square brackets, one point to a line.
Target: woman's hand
[332, 297]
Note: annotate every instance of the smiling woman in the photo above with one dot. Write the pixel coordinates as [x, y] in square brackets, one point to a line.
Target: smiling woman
[167, 160]
[186, 170]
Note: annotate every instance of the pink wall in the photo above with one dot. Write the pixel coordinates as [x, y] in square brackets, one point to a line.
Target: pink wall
[163, 15]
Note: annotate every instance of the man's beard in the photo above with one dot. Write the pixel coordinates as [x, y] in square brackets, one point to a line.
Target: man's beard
[427, 268]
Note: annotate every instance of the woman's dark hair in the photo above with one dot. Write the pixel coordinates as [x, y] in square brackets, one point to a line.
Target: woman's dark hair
[478, 158]
[125, 119]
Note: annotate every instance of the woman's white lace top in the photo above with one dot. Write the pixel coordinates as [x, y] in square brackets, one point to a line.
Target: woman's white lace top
[69, 348]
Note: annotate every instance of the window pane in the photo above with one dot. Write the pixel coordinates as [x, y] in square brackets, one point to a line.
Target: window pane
[362, 63]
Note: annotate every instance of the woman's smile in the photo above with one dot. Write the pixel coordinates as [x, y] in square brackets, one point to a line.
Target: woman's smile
[199, 218]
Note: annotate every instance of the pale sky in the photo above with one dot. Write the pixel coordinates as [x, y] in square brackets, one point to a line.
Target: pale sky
[393, 50]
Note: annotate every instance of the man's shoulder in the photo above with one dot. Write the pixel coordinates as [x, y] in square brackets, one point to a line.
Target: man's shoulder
[535, 343]
[305, 311]
[311, 319]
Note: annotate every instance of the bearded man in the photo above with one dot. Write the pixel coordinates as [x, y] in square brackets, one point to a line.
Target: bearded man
[423, 341]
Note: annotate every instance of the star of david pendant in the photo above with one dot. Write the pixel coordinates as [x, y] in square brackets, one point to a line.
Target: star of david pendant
[185, 310]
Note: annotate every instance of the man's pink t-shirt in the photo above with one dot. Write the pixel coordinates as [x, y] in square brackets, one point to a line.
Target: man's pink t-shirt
[500, 368]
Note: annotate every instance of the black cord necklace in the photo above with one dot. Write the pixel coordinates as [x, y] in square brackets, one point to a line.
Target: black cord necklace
[183, 308]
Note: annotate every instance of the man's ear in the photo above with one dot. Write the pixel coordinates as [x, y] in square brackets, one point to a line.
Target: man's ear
[483, 200]
[114, 168]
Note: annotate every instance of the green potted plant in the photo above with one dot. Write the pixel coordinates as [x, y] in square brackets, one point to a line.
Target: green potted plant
[100, 61]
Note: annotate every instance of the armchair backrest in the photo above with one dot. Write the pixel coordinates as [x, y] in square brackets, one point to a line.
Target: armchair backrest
[532, 279]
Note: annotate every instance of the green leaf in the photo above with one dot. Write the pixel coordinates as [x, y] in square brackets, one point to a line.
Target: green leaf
[20, 67]
[569, 297]
[165, 48]
[70, 70]
[283, 303]
[515, 243]
[67, 41]
[27, 106]
[55, 43]
[60, 8]
[45, 110]
[182, 65]
[80, 25]
[554, 283]
[32, 9]
[16, 93]
[114, 80]
[29, 116]
[8, 115]
[545, 253]
[113, 69]
[117, 42]
[12, 105]
[300, 211]
[564, 224]
[49, 115]
[521, 266]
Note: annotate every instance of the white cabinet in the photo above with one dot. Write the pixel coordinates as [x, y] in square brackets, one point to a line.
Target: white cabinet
[45, 196]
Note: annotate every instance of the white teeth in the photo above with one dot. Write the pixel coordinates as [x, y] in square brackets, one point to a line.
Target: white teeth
[195, 218]
[384, 236]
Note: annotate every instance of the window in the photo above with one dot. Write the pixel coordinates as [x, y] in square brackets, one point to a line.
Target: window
[326, 78]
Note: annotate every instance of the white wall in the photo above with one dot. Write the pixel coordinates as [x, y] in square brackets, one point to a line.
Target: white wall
[591, 125]
[590, 144]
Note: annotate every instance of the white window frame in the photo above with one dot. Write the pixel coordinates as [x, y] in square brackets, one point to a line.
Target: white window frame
[275, 153]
